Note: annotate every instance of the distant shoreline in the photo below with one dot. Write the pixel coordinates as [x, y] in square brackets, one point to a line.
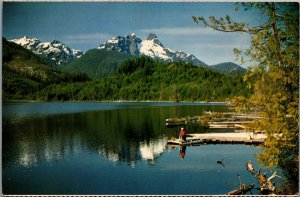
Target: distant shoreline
[114, 101]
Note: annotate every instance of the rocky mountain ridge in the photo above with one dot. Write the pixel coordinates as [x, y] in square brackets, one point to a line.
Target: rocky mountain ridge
[55, 50]
[129, 44]
[151, 47]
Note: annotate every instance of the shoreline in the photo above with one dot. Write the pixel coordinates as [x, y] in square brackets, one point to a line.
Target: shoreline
[116, 101]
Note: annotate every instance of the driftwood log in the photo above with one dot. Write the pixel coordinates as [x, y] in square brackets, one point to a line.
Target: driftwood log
[250, 167]
[266, 184]
[243, 188]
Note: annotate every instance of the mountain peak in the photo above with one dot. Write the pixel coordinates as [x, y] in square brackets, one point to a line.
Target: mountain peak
[126, 44]
[55, 42]
[152, 36]
[132, 35]
[152, 47]
[54, 50]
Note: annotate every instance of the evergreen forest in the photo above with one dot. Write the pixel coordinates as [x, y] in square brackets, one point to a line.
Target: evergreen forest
[27, 76]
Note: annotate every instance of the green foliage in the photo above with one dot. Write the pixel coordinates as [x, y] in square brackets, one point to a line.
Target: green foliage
[142, 78]
[24, 73]
[97, 63]
[27, 76]
[17, 87]
[274, 80]
[131, 65]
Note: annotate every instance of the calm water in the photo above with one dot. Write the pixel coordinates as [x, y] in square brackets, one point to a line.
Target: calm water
[113, 148]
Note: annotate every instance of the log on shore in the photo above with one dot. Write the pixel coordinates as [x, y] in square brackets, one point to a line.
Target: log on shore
[241, 190]
[266, 184]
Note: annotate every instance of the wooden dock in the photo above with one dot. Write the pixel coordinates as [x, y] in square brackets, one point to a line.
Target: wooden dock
[232, 120]
[170, 122]
[221, 138]
[244, 133]
[228, 138]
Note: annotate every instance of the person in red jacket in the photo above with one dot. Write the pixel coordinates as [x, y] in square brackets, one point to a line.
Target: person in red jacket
[182, 134]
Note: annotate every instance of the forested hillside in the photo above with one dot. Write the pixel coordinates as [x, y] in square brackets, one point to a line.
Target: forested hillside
[142, 78]
[27, 76]
[97, 63]
[24, 73]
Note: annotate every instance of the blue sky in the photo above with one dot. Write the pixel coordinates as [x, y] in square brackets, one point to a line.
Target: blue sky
[86, 25]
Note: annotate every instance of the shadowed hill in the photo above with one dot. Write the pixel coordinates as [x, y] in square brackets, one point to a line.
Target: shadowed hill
[142, 78]
[97, 63]
[229, 68]
[24, 73]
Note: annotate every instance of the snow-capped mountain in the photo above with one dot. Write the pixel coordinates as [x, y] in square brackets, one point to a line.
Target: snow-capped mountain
[54, 50]
[150, 47]
[126, 44]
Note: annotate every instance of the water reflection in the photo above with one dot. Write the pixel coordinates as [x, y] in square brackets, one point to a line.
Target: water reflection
[121, 154]
[182, 151]
[92, 152]
[152, 149]
[27, 157]
[121, 135]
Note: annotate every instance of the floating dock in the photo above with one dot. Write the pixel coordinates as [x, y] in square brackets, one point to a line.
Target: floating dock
[244, 133]
[229, 124]
[222, 138]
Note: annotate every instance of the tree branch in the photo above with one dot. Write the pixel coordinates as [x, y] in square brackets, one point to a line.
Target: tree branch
[229, 26]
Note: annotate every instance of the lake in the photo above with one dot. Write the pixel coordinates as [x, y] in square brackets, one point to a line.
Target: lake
[114, 148]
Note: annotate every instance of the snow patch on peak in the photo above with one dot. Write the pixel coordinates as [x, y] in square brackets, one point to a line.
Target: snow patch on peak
[126, 44]
[151, 47]
[154, 50]
[27, 42]
[54, 50]
[113, 40]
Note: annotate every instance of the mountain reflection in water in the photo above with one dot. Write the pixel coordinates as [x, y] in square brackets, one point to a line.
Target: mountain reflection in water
[123, 145]
[125, 134]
